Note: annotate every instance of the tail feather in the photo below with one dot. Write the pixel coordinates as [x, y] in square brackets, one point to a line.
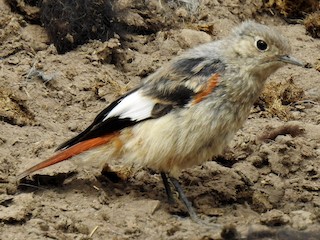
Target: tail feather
[68, 153]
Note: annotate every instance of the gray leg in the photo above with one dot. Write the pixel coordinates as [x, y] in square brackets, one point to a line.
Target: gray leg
[167, 188]
[186, 202]
[184, 199]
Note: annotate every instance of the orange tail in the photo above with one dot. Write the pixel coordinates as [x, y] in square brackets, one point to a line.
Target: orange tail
[68, 153]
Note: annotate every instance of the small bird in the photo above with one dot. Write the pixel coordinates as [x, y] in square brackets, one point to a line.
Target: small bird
[187, 111]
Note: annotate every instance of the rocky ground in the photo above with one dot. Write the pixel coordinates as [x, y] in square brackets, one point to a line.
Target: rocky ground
[265, 186]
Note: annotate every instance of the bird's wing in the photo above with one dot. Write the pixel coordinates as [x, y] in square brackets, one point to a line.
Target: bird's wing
[182, 83]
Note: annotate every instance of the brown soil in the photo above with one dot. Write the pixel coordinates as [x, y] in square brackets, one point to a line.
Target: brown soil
[268, 177]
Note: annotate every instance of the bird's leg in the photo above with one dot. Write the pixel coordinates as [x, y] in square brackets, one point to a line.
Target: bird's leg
[167, 188]
[184, 199]
[193, 215]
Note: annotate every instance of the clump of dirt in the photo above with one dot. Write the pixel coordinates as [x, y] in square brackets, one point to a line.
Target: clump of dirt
[13, 109]
[276, 98]
[317, 65]
[293, 8]
[29, 8]
[312, 24]
[9, 34]
[116, 173]
[140, 17]
[271, 134]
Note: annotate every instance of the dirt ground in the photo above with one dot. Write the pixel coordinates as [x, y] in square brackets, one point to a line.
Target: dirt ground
[268, 178]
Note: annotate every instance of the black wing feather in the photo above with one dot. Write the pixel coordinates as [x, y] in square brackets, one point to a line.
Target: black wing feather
[100, 127]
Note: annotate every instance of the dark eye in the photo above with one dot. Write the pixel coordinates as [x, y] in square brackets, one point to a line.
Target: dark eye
[262, 45]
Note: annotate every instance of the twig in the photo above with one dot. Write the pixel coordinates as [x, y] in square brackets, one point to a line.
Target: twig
[93, 231]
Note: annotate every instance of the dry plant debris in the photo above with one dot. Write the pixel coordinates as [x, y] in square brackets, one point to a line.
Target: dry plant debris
[277, 97]
[312, 24]
[293, 8]
[13, 110]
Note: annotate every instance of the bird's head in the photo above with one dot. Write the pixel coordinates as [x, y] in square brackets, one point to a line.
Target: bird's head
[260, 48]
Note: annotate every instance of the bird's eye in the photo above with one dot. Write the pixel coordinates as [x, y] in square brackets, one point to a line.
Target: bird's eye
[262, 45]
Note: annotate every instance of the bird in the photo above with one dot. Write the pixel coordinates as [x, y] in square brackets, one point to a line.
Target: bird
[187, 111]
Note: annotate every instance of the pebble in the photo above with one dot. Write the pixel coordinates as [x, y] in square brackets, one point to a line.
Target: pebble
[301, 219]
[274, 217]
[19, 210]
[190, 38]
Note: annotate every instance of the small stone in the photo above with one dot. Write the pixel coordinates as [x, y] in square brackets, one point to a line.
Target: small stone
[18, 211]
[11, 188]
[150, 206]
[145, 206]
[274, 218]
[301, 219]
[190, 38]
[296, 115]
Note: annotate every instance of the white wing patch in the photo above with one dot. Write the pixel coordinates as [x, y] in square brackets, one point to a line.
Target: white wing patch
[134, 106]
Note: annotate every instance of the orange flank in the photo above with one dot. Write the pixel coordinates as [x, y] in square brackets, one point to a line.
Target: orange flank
[211, 84]
[69, 153]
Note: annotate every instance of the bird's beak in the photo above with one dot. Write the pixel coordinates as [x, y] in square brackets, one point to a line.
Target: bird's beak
[291, 60]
